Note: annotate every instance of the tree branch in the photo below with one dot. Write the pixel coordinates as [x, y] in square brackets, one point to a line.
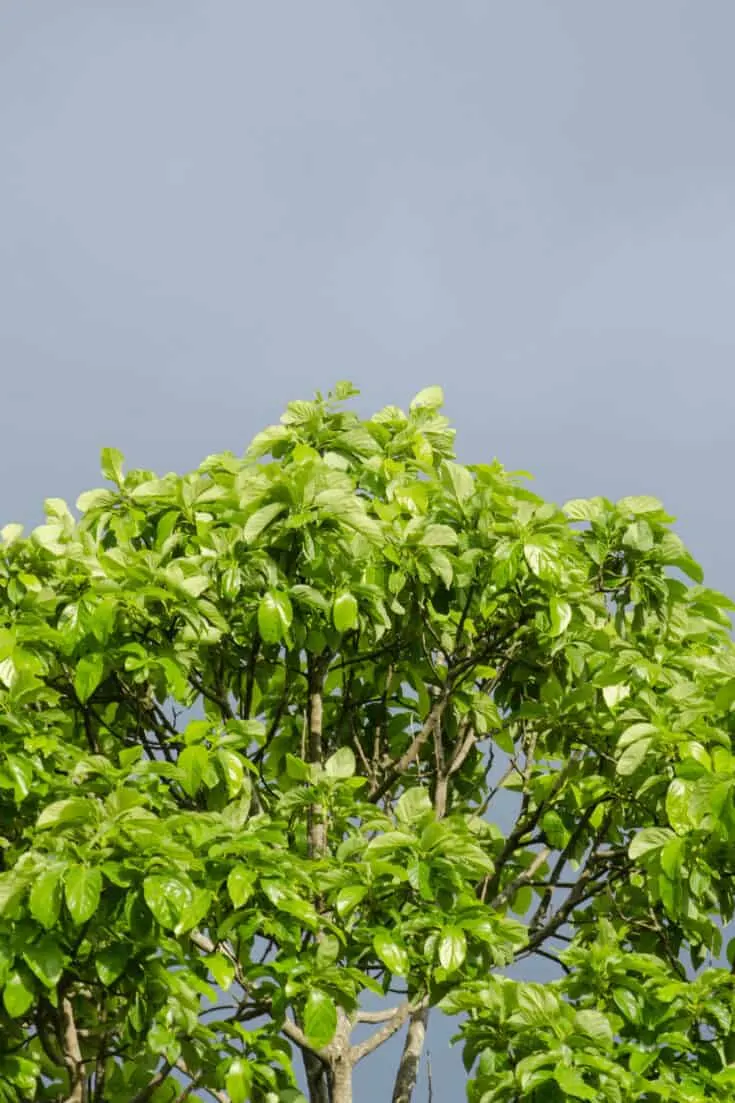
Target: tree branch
[69, 1040]
[429, 725]
[394, 1023]
[408, 1068]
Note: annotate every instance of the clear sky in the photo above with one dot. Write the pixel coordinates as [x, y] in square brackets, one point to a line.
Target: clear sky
[210, 207]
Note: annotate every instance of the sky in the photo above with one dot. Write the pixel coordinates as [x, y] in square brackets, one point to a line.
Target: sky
[208, 209]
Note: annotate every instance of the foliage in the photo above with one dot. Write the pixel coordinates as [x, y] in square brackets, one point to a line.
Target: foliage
[255, 726]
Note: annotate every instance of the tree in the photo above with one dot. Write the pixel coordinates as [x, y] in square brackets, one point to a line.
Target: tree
[255, 723]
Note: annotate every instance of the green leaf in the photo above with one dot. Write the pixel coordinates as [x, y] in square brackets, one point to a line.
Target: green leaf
[555, 830]
[238, 1081]
[439, 536]
[327, 951]
[341, 764]
[560, 613]
[413, 805]
[678, 803]
[275, 616]
[348, 898]
[633, 757]
[639, 536]
[391, 952]
[650, 838]
[320, 1018]
[46, 960]
[452, 948]
[62, 813]
[627, 1003]
[430, 398]
[45, 897]
[240, 885]
[233, 770]
[111, 461]
[595, 1025]
[639, 504]
[191, 765]
[259, 521]
[462, 482]
[88, 676]
[570, 1081]
[541, 559]
[222, 969]
[614, 694]
[344, 612]
[82, 891]
[167, 897]
[18, 994]
[584, 509]
[110, 963]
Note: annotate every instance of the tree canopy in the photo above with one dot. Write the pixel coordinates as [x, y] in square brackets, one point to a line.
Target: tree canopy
[260, 729]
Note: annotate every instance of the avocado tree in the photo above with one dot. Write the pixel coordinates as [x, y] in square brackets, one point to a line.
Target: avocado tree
[255, 726]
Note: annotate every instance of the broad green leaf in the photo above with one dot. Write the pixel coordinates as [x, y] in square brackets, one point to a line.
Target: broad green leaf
[571, 1082]
[627, 1003]
[88, 675]
[274, 616]
[222, 969]
[439, 536]
[45, 897]
[541, 559]
[320, 1018]
[111, 461]
[20, 770]
[233, 770]
[82, 891]
[678, 803]
[639, 536]
[632, 757]
[555, 830]
[45, 959]
[560, 613]
[192, 764]
[259, 521]
[348, 898]
[240, 884]
[63, 813]
[327, 951]
[585, 509]
[640, 504]
[650, 838]
[413, 805]
[11, 533]
[431, 398]
[111, 962]
[344, 612]
[341, 764]
[18, 994]
[167, 896]
[452, 948]
[614, 694]
[391, 952]
[595, 1025]
[238, 1081]
[462, 482]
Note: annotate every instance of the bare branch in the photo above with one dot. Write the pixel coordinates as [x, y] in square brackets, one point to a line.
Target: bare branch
[375, 1016]
[433, 720]
[392, 1025]
[527, 875]
[73, 1059]
[408, 1069]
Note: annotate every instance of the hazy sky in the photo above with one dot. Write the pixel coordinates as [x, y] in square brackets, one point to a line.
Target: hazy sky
[209, 208]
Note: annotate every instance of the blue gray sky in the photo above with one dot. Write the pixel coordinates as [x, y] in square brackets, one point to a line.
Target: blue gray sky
[211, 208]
